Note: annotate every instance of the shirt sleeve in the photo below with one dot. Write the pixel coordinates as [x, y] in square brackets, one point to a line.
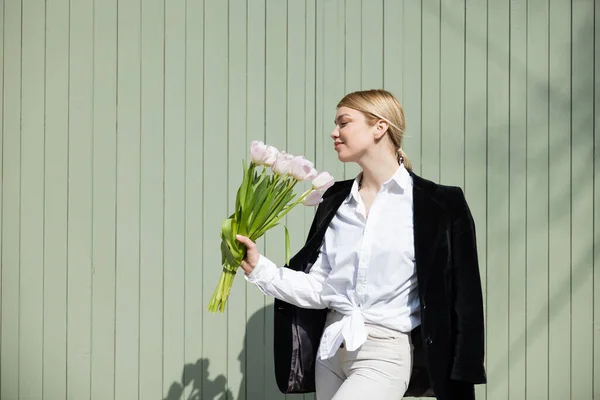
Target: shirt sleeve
[295, 287]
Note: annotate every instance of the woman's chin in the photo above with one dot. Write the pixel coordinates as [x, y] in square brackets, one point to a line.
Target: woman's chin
[341, 157]
[344, 157]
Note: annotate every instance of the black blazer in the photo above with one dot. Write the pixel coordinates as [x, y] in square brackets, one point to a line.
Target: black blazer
[449, 343]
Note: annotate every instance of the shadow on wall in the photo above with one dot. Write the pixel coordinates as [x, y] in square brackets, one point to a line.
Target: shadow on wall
[196, 376]
[255, 363]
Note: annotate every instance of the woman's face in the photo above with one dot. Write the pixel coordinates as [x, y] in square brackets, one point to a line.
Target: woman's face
[352, 136]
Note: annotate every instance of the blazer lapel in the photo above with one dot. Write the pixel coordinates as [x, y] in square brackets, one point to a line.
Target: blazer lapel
[427, 216]
[332, 202]
[327, 209]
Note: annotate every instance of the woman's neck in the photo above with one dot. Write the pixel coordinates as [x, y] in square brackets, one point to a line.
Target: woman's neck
[377, 171]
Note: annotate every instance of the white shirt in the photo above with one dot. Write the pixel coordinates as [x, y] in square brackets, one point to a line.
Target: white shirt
[365, 269]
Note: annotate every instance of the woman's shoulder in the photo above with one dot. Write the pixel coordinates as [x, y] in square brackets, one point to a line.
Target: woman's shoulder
[446, 195]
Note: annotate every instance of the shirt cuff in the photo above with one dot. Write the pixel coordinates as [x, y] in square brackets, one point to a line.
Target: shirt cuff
[264, 271]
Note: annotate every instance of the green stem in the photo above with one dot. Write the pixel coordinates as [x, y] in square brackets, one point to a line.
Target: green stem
[218, 300]
[275, 218]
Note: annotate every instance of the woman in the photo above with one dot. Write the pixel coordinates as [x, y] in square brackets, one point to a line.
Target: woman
[384, 300]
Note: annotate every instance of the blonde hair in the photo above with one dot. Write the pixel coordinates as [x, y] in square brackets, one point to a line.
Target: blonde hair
[376, 104]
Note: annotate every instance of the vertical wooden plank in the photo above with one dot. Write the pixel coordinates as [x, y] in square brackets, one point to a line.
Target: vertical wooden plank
[309, 104]
[319, 83]
[194, 199]
[353, 45]
[497, 198]
[310, 100]
[476, 94]
[216, 87]
[152, 202]
[310, 89]
[393, 47]
[174, 194]
[128, 201]
[276, 73]
[32, 201]
[1, 161]
[582, 198]
[430, 90]
[452, 92]
[11, 199]
[295, 99]
[352, 65]
[559, 207]
[55, 218]
[411, 80]
[255, 363]
[80, 200]
[276, 124]
[237, 151]
[517, 200]
[372, 44]
[333, 85]
[596, 261]
[537, 201]
[393, 50]
[104, 190]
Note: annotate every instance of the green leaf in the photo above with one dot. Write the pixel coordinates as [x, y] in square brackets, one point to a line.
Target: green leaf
[223, 250]
[259, 204]
[227, 228]
[245, 189]
[241, 193]
[279, 212]
[279, 205]
[262, 206]
[227, 258]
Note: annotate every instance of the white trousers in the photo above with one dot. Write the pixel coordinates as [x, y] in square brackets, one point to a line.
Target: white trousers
[378, 370]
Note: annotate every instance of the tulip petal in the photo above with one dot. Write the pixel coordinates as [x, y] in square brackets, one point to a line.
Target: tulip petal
[314, 198]
[323, 181]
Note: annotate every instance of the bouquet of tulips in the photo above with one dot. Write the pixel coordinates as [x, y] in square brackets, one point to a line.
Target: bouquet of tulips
[263, 198]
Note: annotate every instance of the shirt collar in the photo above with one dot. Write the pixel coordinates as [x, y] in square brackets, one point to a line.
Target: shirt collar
[401, 178]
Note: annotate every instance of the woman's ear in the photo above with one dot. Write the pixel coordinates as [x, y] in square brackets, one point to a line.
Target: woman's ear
[381, 128]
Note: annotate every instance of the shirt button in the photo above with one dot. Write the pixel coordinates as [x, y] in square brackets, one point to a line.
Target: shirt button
[429, 341]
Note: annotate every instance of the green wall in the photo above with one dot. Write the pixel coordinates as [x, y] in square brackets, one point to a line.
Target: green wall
[123, 126]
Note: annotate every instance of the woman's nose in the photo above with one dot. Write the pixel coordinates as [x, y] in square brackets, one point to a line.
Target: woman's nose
[335, 133]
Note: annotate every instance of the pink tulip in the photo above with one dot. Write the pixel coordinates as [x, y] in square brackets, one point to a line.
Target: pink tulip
[313, 198]
[323, 181]
[283, 163]
[312, 175]
[301, 168]
[261, 154]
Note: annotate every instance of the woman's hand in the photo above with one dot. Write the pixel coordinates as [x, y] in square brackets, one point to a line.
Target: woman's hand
[252, 254]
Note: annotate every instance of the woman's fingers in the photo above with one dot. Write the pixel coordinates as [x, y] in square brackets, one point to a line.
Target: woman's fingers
[246, 267]
[246, 241]
[252, 255]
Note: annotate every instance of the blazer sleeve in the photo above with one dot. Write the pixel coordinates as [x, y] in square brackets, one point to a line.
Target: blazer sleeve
[468, 363]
